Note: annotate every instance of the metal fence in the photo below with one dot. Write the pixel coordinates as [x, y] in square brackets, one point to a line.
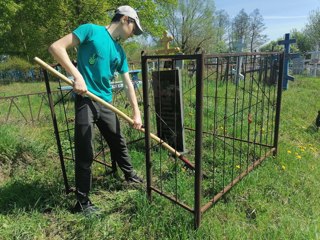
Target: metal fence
[25, 108]
[219, 113]
[230, 122]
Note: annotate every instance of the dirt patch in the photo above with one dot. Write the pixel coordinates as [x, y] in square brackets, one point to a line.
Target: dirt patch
[8, 166]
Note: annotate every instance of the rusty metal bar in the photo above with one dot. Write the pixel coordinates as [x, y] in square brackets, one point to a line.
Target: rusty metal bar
[232, 138]
[146, 108]
[9, 110]
[168, 57]
[244, 54]
[103, 163]
[198, 140]
[14, 103]
[235, 181]
[173, 199]
[30, 109]
[279, 97]
[41, 103]
[29, 94]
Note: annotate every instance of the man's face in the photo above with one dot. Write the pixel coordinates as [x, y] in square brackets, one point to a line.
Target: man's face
[128, 27]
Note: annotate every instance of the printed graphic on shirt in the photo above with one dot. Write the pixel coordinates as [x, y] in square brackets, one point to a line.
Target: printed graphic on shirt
[115, 63]
[92, 59]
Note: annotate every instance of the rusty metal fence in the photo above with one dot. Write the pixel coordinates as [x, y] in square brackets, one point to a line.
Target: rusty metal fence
[25, 108]
[230, 123]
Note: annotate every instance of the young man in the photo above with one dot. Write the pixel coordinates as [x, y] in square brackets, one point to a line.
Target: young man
[99, 56]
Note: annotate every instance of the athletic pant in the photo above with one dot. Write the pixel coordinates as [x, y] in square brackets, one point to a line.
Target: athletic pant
[88, 113]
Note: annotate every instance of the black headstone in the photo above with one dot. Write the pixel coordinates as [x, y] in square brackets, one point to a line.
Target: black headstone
[169, 107]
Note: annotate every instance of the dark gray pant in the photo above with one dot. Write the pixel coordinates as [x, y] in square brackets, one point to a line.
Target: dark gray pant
[89, 113]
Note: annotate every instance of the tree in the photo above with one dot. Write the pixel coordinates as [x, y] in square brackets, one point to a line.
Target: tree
[272, 46]
[222, 25]
[312, 30]
[304, 43]
[8, 9]
[239, 31]
[28, 27]
[246, 31]
[256, 27]
[191, 24]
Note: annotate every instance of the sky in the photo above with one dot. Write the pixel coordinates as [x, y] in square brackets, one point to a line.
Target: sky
[280, 16]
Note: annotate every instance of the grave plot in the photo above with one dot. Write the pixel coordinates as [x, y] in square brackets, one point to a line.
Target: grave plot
[221, 115]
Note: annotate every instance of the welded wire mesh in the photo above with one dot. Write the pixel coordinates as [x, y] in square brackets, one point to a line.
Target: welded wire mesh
[239, 103]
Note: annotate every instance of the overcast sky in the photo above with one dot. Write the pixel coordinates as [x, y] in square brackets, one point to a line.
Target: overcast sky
[280, 16]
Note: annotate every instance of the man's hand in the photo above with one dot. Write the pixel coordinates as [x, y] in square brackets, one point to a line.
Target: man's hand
[137, 123]
[79, 86]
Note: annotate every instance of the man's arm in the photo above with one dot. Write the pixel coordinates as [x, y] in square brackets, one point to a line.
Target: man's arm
[59, 51]
[137, 123]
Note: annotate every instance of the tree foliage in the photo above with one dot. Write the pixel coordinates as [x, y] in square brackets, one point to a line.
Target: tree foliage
[222, 25]
[16, 64]
[192, 25]
[246, 31]
[240, 26]
[273, 46]
[256, 27]
[28, 27]
[8, 9]
[304, 43]
[312, 30]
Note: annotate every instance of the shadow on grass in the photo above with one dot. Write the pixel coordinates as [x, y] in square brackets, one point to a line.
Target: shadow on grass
[35, 196]
[21, 195]
[312, 129]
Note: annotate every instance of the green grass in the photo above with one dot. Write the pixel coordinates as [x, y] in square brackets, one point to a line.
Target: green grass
[29, 105]
[278, 200]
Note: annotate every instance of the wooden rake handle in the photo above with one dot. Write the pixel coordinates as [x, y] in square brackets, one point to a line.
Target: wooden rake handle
[115, 110]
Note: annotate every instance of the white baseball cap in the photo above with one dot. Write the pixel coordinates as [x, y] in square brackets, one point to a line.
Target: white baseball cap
[130, 12]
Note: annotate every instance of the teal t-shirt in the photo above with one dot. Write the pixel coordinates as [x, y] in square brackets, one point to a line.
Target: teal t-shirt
[99, 56]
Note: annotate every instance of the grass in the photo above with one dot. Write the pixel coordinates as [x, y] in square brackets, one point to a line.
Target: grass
[279, 200]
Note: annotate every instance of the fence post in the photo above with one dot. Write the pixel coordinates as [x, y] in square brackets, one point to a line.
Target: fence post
[56, 131]
[198, 140]
[145, 84]
[278, 106]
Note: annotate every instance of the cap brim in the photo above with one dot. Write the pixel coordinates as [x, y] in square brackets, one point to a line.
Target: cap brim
[138, 30]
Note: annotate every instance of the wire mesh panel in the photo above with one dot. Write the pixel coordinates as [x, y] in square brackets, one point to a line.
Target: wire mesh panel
[240, 107]
[170, 106]
[230, 114]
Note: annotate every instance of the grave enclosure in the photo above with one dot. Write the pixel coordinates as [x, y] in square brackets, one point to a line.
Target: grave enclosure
[222, 122]
[230, 123]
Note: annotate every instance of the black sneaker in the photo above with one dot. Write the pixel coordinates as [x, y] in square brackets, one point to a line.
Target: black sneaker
[87, 208]
[134, 179]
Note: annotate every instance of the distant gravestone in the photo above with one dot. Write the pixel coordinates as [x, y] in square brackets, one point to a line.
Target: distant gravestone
[315, 57]
[237, 71]
[315, 60]
[169, 107]
[298, 65]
